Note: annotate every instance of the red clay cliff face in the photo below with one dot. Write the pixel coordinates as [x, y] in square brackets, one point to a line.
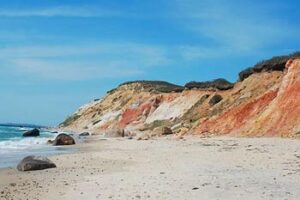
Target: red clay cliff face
[283, 114]
[235, 119]
[137, 112]
[274, 113]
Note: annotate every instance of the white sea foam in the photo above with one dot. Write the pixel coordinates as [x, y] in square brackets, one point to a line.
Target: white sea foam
[17, 144]
[14, 147]
[24, 129]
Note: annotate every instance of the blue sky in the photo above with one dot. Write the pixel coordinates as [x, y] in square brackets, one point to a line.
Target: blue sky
[56, 55]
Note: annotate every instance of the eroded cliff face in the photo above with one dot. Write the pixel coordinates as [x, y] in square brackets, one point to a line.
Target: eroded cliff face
[263, 104]
[274, 112]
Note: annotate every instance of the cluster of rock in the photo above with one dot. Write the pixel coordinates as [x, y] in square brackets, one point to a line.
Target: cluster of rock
[32, 163]
[61, 139]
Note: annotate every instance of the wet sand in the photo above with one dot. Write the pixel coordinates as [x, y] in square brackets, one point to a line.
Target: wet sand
[165, 168]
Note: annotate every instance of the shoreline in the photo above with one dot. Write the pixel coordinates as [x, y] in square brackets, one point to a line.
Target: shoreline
[165, 168]
[26, 146]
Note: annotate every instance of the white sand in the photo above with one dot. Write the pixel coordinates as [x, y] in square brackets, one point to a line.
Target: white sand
[195, 168]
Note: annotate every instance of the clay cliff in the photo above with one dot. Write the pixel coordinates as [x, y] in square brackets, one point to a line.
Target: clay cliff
[265, 101]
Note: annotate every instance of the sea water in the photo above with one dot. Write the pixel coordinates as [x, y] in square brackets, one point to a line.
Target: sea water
[14, 147]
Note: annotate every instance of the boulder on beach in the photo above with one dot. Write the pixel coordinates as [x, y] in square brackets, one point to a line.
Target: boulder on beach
[115, 133]
[63, 139]
[32, 133]
[166, 131]
[50, 142]
[163, 131]
[31, 163]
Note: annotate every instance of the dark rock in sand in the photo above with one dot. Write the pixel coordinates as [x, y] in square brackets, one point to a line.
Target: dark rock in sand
[163, 130]
[166, 131]
[84, 134]
[50, 142]
[32, 133]
[115, 133]
[63, 139]
[31, 163]
[215, 99]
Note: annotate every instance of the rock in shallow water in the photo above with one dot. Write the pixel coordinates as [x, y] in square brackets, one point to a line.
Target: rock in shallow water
[63, 139]
[31, 163]
[33, 133]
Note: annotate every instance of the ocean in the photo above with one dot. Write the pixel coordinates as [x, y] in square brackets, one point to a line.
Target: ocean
[14, 147]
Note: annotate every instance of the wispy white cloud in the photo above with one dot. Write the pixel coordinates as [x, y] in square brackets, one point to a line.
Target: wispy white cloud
[73, 71]
[83, 62]
[60, 11]
[155, 52]
[231, 26]
[191, 53]
[96, 61]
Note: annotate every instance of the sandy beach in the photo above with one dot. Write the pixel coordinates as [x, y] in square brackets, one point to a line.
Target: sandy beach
[165, 168]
